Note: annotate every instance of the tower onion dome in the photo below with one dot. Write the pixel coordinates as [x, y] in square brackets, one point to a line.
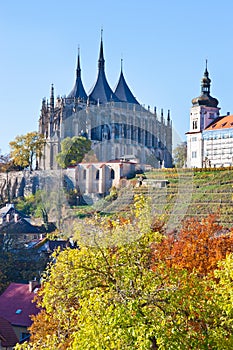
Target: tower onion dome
[205, 99]
[122, 90]
[78, 89]
[101, 92]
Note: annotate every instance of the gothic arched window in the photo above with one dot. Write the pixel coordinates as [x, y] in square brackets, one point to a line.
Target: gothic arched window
[112, 174]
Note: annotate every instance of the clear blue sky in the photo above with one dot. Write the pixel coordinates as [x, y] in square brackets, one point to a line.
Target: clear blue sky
[164, 45]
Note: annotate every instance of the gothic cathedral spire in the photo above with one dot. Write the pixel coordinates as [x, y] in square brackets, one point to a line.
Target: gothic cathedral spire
[101, 55]
[78, 70]
[52, 99]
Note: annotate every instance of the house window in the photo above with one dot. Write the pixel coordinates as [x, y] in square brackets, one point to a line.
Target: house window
[84, 174]
[194, 139]
[194, 154]
[23, 336]
[97, 176]
[195, 124]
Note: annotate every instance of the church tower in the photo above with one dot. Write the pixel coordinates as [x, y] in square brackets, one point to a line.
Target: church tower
[203, 111]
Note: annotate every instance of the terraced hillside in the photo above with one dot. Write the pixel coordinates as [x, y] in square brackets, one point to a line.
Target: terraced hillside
[186, 193]
[191, 194]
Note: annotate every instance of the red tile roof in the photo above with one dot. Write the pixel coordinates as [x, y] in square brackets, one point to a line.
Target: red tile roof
[7, 334]
[16, 304]
[221, 123]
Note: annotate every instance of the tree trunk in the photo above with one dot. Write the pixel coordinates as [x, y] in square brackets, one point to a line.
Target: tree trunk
[154, 345]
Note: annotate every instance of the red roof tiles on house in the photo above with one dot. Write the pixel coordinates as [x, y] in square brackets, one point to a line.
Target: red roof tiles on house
[221, 123]
[7, 334]
[16, 304]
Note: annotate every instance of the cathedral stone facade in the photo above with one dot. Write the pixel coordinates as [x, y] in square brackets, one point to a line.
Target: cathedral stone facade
[118, 126]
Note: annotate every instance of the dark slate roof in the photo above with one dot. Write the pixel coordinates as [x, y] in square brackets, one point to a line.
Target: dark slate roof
[20, 227]
[7, 334]
[49, 246]
[10, 209]
[16, 304]
[205, 100]
[123, 92]
[101, 92]
[78, 89]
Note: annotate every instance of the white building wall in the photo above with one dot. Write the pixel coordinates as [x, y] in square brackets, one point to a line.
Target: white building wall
[200, 118]
[109, 174]
[218, 148]
[194, 150]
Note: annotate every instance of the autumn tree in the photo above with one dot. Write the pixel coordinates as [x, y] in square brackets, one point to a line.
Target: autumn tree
[222, 303]
[199, 246]
[27, 149]
[4, 162]
[180, 155]
[73, 150]
[106, 295]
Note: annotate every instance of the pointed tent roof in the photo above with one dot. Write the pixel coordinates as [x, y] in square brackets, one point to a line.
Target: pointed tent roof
[122, 90]
[101, 92]
[78, 89]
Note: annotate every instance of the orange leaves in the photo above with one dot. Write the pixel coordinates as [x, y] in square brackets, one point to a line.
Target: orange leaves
[42, 324]
[198, 246]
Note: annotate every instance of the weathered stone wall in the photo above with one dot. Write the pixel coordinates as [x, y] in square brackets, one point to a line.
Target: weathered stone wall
[23, 183]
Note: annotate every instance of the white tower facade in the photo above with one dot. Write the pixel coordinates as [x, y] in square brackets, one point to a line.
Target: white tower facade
[203, 111]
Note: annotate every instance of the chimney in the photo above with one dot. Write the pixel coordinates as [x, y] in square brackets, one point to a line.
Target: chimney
[32, 285]
[10, 205]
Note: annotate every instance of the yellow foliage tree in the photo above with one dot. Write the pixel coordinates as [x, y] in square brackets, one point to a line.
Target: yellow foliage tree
[27, 149]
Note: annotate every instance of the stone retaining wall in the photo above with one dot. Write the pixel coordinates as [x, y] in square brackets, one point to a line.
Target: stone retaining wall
[23, 183]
